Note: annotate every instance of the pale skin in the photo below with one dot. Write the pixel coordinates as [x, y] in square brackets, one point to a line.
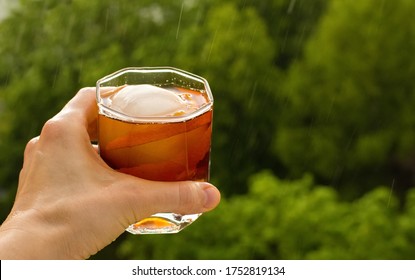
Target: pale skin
[70, 204]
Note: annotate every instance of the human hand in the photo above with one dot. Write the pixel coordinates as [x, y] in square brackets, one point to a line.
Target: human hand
[70, 204]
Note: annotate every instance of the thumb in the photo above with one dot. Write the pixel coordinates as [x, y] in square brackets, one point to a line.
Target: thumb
[145, 198]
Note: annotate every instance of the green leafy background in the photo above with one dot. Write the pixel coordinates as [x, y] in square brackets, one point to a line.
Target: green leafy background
[314, 131]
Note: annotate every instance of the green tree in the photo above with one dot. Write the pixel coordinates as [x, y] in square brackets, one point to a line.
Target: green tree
[348, 107]
[290, 24]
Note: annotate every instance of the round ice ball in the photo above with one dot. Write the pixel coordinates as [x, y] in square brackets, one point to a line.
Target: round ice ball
[147, 101]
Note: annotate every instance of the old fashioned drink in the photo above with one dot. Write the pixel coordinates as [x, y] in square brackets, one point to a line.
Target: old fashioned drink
[156, 128]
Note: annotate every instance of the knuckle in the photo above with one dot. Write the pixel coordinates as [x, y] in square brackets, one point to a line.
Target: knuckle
[30, 146]
[53, 128]
[32, 142]
[86, 90]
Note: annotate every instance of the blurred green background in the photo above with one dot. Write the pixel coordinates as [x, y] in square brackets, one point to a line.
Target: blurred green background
[314, 127]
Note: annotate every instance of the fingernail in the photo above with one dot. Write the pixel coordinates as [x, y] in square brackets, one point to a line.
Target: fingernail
[211, 196]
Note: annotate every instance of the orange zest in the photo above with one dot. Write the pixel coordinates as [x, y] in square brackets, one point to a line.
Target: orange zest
[154, 132]
[153, 223]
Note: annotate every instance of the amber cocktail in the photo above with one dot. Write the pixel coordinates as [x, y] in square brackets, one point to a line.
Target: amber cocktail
[156, 124]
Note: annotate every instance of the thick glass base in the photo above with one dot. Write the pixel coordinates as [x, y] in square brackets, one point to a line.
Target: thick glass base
[162, 223]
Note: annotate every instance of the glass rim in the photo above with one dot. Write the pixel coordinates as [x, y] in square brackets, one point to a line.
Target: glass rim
[152, 119]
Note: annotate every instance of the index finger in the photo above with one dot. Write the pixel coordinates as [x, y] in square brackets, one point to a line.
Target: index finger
[82, 109]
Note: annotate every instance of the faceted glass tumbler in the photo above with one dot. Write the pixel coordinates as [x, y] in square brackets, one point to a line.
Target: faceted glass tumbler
[155, 123]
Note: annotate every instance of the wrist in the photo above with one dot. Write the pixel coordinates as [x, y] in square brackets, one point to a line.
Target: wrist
[24, 236]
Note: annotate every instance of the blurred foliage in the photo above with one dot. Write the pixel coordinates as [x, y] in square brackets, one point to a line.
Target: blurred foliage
[349, 101]
[281, 219]
[301, 87]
